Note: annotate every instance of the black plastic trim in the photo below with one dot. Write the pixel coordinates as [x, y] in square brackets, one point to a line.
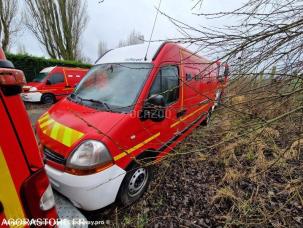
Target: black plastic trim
[6, 64]
[51, 155]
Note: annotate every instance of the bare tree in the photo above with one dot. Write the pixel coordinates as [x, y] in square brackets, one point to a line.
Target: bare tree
[269, 33]
[21, 49]
[8, 26]
[58, 25]
[102, 48]
[133, 38]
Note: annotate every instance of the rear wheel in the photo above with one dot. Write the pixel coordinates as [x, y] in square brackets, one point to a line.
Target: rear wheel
[218, 98]
[134, 184]
[48, 98]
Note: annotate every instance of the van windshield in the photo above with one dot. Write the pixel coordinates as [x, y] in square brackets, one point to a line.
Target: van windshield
[40, 77]
[115, 86]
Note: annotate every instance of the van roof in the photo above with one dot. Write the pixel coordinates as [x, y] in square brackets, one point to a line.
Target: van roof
[133, 53]
[47, 69]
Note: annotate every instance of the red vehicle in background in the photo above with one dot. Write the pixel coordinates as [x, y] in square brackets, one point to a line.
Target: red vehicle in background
[52, 84]
[25, 191]
[131, 107]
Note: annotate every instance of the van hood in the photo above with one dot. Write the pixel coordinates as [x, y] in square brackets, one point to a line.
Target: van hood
[29, 85]
[67, 123]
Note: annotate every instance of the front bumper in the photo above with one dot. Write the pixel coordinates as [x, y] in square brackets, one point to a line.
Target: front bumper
[32, 96]
[90, 192]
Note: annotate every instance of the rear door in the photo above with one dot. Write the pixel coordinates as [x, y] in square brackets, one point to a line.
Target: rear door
[195, 88]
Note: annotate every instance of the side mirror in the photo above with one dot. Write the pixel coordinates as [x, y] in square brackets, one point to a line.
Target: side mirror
[48, 82]
[154, 109]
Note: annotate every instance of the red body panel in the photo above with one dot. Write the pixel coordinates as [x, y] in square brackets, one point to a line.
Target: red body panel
[19, 156]
[126, 131]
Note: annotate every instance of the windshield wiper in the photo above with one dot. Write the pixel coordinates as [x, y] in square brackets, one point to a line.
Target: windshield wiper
[93, 101]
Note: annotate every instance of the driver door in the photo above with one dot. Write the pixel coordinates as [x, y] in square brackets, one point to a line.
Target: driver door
[166, 83]
[56, 84]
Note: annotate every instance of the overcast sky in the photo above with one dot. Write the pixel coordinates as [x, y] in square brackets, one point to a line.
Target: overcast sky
[113, 20]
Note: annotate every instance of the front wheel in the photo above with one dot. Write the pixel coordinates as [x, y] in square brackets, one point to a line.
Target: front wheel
[134, 184]
[48, 99]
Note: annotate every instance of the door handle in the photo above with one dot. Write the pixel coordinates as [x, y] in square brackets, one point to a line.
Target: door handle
[181, 113]
[1, 207]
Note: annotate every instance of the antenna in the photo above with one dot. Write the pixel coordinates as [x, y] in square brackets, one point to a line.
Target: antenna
[151, 35]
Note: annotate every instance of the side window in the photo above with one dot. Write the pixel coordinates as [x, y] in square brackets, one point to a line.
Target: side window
[167, 84]
[56, 78]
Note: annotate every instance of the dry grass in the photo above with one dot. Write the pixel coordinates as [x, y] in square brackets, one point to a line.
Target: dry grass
[245, 169]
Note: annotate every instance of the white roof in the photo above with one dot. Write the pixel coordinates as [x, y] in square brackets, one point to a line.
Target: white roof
[47, 69]
[133, 53]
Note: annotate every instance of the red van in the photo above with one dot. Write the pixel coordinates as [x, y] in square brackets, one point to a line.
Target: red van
[25, 191]
[52, 84]
[130, 108]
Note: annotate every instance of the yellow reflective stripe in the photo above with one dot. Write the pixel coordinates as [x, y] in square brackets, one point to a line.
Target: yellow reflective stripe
[52, 129]
[129, 151]
[186, 117]
[46, 123]
[67, 136]
[43, 118]
[55, 130]
[8, 194]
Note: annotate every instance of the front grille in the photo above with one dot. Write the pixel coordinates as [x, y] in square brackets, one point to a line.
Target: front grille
[50, 155]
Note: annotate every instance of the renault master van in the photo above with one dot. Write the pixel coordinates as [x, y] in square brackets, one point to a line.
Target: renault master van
[52, 84]
[132, 108]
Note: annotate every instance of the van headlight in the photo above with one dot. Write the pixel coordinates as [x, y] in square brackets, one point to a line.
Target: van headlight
[33, 89]
[90, 157]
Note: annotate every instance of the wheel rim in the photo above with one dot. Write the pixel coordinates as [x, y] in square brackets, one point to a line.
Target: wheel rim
[48, 100]
[137, 182]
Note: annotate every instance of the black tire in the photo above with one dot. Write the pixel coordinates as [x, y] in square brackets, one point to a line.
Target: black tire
[206, 121]
[48, 98]
[134, 184]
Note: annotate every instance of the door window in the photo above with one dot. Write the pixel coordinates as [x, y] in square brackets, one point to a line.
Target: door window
[56, 78]
[167, 84]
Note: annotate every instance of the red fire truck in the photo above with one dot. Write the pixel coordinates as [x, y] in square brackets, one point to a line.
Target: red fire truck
[130, 106]
[26, 196]
[25, 191]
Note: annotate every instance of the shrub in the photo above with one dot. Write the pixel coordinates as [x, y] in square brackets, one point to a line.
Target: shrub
[32, 65]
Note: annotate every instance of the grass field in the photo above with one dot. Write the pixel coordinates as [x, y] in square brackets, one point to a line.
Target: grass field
[245, 169]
